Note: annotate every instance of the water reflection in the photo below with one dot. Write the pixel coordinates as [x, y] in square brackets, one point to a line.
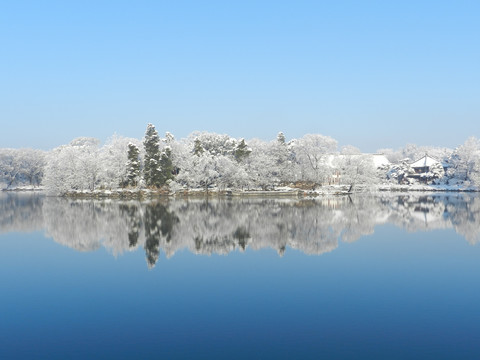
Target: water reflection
[222, 226]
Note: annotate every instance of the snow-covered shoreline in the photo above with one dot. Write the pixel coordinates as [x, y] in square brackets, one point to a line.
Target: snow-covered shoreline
[24, 189]
[280, 192]
[218, 163]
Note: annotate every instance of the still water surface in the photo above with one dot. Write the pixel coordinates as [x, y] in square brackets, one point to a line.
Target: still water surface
[361, 277]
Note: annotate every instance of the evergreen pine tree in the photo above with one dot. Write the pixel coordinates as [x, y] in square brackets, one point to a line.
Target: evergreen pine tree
[152, 172]
[281, 158]
[241, 151]
[133, 165]
[197, 147]
[166, 165]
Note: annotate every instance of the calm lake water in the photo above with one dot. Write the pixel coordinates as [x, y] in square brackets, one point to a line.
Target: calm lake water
[361, 277]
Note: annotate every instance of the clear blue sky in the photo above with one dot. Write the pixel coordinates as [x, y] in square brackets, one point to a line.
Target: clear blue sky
[369, 73]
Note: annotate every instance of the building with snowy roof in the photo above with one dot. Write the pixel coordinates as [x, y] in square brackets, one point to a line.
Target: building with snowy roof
[424, 164]
[427, 168]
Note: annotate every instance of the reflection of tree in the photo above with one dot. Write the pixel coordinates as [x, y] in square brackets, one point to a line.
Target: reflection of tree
[464, 214]
[134, 221]
[225, 225]
[74, 224]
[20, 212]
[241, 235]
[159, 223]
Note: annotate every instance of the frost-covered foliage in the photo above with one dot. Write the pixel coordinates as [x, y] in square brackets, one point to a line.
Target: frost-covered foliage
[455, 167]
[206, 170]
[403, 173]
[133, 165]
[215, 144]
[158, 162]
[436, 171]
[152, 172]
[354, 168]
[20, 167]
[262, 167]
[465, 161]
[113, 157]
[84, 165]
[241, 151]
[269, 164]
[310, 157]
[166, 165]
[413, 152]
[211, 161]
[75, 166]
[400, 172]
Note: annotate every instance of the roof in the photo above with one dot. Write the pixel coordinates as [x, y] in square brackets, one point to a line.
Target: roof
[424, 162]
[380, 160]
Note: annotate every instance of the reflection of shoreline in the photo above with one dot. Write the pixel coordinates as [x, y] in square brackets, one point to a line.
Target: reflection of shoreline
[221, 226]
[292, 192]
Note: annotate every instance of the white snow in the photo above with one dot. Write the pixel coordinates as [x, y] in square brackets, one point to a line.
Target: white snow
[424, 162]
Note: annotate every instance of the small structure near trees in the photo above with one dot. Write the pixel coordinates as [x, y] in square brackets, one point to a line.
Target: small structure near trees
[426, 169]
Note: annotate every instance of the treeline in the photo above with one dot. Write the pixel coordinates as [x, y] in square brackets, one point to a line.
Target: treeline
[208, 160]
[201, 161]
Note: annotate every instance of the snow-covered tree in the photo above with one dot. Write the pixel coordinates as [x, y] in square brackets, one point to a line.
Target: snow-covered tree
[475, 174]
[113, 158]
[10, 167]
[152, 172]
[355, 168]
[414, 152]
[211, 161]
[74, 166]
[311, 156]
[399, 172]
[198, 148]
[33, 164]
[199, 171]
[435, 172]
[394, 156]
[465, 157]
[133, 165]
[177, 151]
[215, 144]
[261, 166]
[166, 165]
[242, 151]
[20, 167]
[282, 161]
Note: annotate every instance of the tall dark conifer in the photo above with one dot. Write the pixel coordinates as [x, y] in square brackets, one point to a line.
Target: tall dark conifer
[241, 151]
[133, 165]
[197, 147]
[166, 165]
[152, 172]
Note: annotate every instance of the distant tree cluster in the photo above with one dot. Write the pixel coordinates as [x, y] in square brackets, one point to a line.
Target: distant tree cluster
[207, 161]
[20, 167]
[201, 161]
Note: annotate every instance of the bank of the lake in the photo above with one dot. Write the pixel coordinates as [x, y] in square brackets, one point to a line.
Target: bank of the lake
[280, 192]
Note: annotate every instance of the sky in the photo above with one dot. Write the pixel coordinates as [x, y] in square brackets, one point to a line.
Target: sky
[372, 74]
